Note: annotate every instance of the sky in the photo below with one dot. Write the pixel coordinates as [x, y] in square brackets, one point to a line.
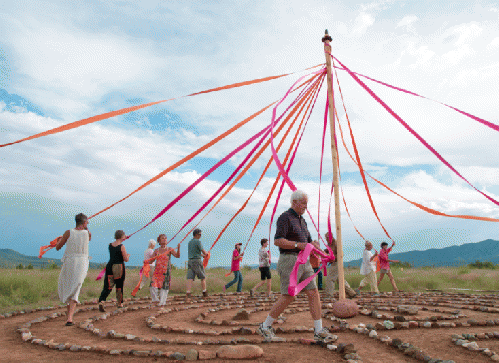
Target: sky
[64, 61]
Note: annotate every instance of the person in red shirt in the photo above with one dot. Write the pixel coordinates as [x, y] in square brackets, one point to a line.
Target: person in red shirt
[238, 277]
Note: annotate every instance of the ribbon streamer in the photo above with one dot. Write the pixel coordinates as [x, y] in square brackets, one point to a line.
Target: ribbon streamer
[122, 111]
[423, 141]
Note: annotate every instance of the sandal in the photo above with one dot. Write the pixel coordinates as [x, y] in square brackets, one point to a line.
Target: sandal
[69, 323]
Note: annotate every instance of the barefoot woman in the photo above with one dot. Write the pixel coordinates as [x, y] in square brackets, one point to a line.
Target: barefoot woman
[74, 264]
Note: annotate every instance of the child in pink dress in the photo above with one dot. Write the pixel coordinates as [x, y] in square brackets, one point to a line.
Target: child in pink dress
[384, 263]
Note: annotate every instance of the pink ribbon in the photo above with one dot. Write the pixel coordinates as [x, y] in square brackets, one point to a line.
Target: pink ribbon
[485, 122]
[289, 167]
[274, 153]
[294, 287]
[423, 141]
[238, 168]
[101, 274]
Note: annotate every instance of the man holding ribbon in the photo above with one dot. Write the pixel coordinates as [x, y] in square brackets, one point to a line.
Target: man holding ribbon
[291, 237]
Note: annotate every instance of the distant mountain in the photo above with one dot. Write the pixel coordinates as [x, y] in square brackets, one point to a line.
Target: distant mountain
[11, 258]
[483, 251]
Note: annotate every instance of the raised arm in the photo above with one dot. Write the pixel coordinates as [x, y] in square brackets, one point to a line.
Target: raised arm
[62, 241]
[176, 253]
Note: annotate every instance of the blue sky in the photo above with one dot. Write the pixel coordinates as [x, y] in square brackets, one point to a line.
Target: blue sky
[61, 62]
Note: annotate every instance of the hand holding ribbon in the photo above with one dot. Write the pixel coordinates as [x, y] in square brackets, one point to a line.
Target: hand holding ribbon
[294, 287]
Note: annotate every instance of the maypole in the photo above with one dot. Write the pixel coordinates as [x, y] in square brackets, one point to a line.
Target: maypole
[334, 152]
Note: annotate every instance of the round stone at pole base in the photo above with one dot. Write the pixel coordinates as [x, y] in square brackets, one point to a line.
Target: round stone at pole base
[344, 309]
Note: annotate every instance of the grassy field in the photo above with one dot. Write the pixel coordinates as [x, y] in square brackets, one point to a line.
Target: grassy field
[22, 289]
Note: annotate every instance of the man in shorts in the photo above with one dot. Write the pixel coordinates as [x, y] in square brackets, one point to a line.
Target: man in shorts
[195, 267]
[291, 237]
[264, 266]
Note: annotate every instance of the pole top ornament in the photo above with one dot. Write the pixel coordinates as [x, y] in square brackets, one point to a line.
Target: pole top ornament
[326, 37]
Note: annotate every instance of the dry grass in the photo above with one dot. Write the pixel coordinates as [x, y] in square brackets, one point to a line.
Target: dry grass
[22, 289]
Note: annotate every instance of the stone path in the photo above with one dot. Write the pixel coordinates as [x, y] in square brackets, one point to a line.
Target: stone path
[402, 327]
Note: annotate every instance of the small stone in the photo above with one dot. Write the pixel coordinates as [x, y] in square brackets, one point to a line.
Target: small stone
[141, 353]
[373, 334]
[239, 352]
[388, 324]
[407, 309]
[192, 354]
[242, 314]
[177, 356]
[332, 347]
[206, 354]
[115, 352]
[396, 342]
[495, 358]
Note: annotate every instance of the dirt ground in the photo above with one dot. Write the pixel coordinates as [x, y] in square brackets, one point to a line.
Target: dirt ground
[197, 324]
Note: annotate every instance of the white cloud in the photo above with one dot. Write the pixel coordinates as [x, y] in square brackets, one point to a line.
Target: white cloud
[143, 56]
[494, 43]
[407, 21]
[362, 22]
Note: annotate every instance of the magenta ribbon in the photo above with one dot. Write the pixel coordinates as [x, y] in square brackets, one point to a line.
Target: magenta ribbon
[267, 131]
[274, 153]
[289, 167]
[206, 174]
[481, 120]
[423, 141]
[294, 287]
[100, 275]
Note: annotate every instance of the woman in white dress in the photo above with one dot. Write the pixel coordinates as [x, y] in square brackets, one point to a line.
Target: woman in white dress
[74, 264]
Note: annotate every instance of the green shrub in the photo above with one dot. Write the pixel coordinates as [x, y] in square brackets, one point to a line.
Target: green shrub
[482, 265]
[29, 267]
[20, 266]
[463, 270]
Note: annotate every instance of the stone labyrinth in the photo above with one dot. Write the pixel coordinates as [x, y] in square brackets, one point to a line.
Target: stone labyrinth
[398, 327]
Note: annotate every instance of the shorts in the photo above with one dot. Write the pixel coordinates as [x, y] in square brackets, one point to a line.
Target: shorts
[384, 271]
[195, 268]
[285, 266]
[265, 273]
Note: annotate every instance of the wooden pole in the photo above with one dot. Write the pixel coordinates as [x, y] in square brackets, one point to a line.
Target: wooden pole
[334, 152]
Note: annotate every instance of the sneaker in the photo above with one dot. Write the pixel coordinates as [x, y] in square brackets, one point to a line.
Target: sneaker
[324, 336]
[205, 293]
[101, 308]
[267, 333]
[252, 292]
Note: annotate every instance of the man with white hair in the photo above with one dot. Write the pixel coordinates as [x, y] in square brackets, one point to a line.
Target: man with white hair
[368, 268]
[291, 237]
[147, 255]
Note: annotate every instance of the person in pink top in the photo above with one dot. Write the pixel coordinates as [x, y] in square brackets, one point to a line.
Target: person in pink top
[236, 259]
[384, 264]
